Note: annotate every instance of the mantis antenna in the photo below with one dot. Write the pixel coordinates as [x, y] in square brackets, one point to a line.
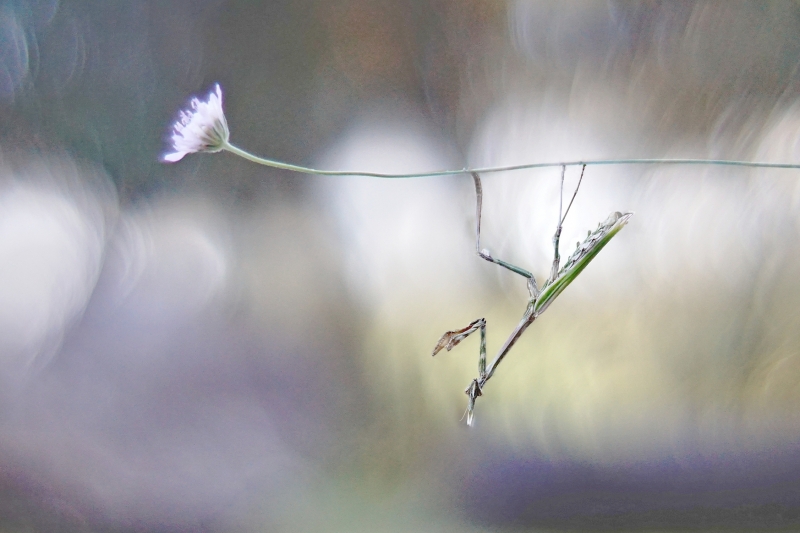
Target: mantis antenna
[540, 299]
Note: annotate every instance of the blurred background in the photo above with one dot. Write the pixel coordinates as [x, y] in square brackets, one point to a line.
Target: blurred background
[215, 346]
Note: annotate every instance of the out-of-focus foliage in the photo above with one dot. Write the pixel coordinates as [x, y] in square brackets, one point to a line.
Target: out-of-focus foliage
[217, 346]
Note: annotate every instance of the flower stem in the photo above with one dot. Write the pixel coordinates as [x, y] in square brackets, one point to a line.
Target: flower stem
[487, 170]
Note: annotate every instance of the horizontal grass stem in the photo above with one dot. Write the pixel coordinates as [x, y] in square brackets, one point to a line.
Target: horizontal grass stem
[488, 170]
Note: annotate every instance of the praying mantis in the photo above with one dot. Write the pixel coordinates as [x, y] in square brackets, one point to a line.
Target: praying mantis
[540, 299]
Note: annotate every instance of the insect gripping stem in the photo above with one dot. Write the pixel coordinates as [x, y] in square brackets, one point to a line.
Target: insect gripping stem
[539, 301]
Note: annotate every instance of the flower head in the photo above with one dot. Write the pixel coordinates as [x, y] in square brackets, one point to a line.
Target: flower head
[201, 128]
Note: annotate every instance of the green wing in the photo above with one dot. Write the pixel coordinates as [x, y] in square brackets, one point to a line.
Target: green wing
[581, 257]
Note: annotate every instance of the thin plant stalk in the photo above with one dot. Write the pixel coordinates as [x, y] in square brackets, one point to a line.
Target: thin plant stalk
[489, 170]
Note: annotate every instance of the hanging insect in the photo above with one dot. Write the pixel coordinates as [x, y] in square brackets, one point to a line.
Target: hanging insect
[540, 299]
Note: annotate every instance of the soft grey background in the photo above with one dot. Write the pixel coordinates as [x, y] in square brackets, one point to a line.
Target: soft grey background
[215, 346]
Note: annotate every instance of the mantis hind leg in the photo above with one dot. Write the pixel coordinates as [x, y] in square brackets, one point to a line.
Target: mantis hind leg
[557, 236]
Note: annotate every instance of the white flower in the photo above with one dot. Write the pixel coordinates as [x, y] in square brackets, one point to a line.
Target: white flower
[201, 128]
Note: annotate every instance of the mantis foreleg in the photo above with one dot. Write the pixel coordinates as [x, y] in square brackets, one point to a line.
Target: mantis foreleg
[452, 338]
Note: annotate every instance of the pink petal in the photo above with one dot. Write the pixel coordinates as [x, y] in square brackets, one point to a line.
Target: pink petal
[173, 158]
